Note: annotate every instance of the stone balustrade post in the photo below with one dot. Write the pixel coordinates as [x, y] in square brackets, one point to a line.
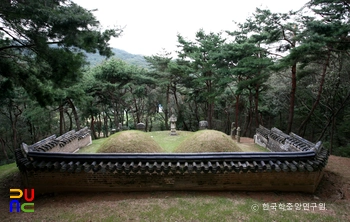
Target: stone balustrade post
[238, 136]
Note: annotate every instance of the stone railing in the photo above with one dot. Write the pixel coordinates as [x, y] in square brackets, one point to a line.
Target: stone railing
[277, 141]
[68, 142]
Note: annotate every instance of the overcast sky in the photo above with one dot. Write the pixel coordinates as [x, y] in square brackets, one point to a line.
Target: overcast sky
[151, 25]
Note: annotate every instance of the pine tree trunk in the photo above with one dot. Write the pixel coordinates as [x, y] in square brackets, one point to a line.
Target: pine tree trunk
[237, 111]
[127, 118]
[343, 105]
[99, 126]
[115, 115]
[61, 119]
[92, 126]
[210, 103]
[256, 103]
[105, 124]
[138, 119]
[228, 123]
[14, 120]
[165, 108]
[75, 113]
[292, 98]
[318, 98]
[70, 120]
[249, 117]
[210, 114]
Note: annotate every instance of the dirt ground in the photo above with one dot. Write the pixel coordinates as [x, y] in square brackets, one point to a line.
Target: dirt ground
[333, 189]
[334, 186]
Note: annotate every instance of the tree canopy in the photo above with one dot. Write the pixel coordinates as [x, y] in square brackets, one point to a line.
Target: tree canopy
[289, 70]
[41, 43]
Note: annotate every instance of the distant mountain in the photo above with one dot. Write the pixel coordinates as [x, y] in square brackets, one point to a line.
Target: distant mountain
[95, 59]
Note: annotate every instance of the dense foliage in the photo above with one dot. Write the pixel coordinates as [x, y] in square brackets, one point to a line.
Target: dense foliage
[41, 55]
[289, 70]
[95, 58]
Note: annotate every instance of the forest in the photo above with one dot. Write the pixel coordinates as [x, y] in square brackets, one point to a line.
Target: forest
[286, 70]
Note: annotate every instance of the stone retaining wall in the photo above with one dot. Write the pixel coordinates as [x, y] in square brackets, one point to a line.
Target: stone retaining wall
[296, 165]
[266, 181]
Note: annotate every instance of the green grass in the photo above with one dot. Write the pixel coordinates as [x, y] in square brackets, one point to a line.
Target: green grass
[167, 142]
[260, 148]
[7, 174]
[93, 147]
[164, 206]
[163, 138]
[7, 170]
[251, 147]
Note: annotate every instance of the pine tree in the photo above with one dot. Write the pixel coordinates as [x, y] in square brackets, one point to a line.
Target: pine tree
[41, 43]
[202, 54]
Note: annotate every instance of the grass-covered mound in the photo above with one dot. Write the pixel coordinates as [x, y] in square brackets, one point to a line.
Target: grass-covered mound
[207, 141]
[130, 141]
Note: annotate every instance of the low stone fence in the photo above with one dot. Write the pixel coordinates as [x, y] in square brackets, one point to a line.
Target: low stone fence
[274, 171]
[277, 141]
[67, 143]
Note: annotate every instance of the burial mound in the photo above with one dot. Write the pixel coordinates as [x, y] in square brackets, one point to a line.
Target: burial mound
[207, 141]
[130, 141]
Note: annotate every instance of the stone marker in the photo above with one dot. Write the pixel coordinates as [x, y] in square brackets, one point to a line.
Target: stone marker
[141, 126]
[173, 120]
[203, 124]
[233, 128]
[238, 136]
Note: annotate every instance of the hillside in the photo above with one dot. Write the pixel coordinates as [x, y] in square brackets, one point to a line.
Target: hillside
[94, 58]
